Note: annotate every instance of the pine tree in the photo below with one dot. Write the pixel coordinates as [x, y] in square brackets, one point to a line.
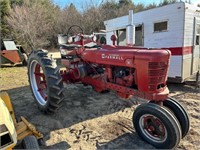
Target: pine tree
[4, 10]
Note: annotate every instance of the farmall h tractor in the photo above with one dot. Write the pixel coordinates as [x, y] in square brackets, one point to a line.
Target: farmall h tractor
[127, 70]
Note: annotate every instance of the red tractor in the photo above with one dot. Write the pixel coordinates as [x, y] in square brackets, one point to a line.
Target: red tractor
[127, 70]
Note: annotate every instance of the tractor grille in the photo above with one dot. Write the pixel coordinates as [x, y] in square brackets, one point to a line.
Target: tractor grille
[157, 65]
[158, 72]
[156, 75]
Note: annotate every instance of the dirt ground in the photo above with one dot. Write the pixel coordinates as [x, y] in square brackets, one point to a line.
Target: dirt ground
[89, 120]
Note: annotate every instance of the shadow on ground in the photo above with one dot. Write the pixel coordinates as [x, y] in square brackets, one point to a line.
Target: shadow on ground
[126, 141]
[81, 103]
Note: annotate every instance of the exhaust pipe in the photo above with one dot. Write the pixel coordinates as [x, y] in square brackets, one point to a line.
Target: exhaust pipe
[130, 30]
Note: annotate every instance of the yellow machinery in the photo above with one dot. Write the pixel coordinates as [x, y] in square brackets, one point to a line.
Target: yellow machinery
[12, 131]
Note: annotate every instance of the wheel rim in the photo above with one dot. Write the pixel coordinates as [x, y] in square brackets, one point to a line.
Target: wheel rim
[153, 128]
[38, 82]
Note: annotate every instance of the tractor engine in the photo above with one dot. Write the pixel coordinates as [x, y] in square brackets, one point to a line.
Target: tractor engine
[123, 76]
[119, 75]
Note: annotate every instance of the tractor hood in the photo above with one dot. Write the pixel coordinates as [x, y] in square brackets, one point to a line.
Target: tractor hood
[124, 57]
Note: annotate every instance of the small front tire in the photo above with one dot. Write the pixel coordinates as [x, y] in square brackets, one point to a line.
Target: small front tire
[157, 126]
[180, 114]
[30, 142]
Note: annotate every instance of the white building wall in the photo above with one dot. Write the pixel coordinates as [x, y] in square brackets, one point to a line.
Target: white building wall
[173, 13]
[168, 38]
[175, 67]
[190, 13]
[116, 23]
[173, 37]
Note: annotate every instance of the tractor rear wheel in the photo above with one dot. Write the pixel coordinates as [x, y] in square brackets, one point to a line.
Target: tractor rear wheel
[180, 114]
[157, 126]
[45, 81]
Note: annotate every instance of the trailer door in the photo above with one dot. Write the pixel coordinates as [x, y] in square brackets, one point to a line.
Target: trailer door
[196, 46]
[139, 35]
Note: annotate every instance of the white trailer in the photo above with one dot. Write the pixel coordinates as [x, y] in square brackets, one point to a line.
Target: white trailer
[175, 27]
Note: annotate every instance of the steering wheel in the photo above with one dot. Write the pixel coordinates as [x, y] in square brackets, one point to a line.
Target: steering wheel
[74, 30]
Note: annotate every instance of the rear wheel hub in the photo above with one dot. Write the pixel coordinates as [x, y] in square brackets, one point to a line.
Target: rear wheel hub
[38, 82]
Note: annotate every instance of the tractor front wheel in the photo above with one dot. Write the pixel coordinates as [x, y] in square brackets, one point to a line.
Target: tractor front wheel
[30, 142]
[180, 114]
[45, 81]
[157, 126]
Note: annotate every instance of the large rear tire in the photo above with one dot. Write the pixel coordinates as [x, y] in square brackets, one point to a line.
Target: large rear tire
[157, 126]
[45, 81]
[180, 114]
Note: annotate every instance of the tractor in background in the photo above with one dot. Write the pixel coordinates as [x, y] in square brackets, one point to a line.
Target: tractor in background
[129, 71]
[12, 54]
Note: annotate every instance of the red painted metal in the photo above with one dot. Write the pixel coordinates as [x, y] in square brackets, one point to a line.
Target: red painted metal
[11, 55]
[175, 51]
[100, 85]
[130, 71]
[40, 81]
[113, 39]
[109, 73]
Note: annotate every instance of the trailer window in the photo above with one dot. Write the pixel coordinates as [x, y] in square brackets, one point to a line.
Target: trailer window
[121, 34]
[160, 26]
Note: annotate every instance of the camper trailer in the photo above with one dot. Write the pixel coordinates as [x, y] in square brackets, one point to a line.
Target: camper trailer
[175, 27]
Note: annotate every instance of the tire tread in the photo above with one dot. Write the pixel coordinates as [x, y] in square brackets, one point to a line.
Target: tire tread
[54, 81]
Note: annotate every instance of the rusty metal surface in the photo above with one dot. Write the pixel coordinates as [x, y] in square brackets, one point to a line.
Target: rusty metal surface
[10, 56]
